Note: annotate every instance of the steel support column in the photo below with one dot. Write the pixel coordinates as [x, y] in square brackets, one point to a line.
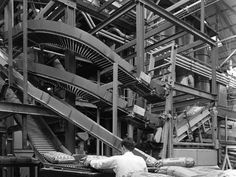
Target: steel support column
[70, 65]
[121, 11]
[70, 16]
[140, 37]
[226, 130]
[130, 102]
[139, 60]
[115, 99]
[168, 127]
[98, 141]
[98, 113]
[25, 71]
[202, 15]
[214, 62]
[214, 90]
[176, 21]
[10, 42]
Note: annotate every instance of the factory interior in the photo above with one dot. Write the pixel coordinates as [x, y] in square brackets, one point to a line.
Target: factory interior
[162, 72]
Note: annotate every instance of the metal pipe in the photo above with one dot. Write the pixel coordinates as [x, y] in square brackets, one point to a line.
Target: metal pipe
[201, 69]
[118, 38]
[173, 7]
[120, 33]
[110, 37]
[226, 39]
[187, 10]
[87, 19]
[103, 32]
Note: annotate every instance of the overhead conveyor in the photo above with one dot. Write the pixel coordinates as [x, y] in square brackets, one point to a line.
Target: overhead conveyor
[190, 123]
[69, 113]
[85, 89]
[80, 86]
[59, 35]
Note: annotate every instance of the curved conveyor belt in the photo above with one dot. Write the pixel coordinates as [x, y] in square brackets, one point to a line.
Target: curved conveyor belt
[60, 35]
[69, 113]
[80, 86]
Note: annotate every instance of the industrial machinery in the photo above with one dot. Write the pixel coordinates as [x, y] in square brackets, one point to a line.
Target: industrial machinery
[77, 76]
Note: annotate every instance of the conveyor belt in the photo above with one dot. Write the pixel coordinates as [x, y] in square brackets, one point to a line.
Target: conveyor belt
[192, 124]
[80, 86]
[60, 35]
[40, 136]
[69, 113]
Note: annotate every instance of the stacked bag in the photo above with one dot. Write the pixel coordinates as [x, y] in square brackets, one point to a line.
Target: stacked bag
[58, 157]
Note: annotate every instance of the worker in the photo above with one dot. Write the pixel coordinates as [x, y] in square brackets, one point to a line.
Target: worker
[123, 165]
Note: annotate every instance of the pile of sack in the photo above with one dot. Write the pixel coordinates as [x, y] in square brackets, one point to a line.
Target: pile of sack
[58, 157]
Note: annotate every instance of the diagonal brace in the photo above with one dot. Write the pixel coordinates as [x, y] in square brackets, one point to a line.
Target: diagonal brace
[176, 21]
[119, 12]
